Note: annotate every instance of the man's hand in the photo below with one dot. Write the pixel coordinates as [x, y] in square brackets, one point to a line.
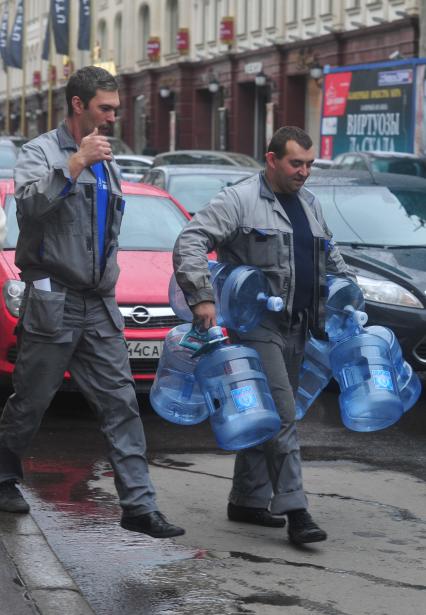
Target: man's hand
[93, 148]
[204, 315]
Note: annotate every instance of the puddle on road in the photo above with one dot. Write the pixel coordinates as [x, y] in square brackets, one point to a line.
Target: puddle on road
[117, 571]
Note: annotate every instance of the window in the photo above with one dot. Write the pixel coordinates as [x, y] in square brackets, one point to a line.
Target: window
[118, 42]
[144, 31]
[103, 40]
[172, 24]
[291, 11]
[242, 15]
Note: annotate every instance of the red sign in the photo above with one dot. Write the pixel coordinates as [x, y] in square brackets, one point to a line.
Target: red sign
[153, 48]
[182, 41]
[52, 74]
[226, 32]
[336, 90]
[37, 79]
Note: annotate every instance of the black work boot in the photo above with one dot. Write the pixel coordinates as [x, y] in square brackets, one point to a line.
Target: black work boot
[256, 516]
[154, 524]
[302, 528]
[11, 499]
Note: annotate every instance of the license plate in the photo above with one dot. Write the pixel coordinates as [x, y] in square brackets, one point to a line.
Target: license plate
[144, 350]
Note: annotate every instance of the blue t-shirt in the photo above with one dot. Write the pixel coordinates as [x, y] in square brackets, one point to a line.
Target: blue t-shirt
[102, 201]
[303, 247]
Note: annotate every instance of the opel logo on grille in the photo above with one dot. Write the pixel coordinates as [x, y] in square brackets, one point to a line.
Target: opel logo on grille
[140, 315]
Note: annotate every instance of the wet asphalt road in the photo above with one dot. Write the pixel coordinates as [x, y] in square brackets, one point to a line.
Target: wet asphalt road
[73, 501]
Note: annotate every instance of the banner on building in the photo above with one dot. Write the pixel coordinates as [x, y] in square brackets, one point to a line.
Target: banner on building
[368, 108]
[226, 30]
[153, 48]
[4, 30]
[84, 25]
[182, 41]
[60, 12]
[15, 42]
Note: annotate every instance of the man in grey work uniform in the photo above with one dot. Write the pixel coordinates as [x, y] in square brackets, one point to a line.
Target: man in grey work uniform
[269, 220]
[69, 209]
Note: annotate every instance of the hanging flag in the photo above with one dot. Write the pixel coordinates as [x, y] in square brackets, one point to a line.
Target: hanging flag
[46, 42]
[84, 25]
[60, 11]
[14, 46]
[4, 28]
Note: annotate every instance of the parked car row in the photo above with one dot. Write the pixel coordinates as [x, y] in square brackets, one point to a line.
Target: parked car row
[152, 222]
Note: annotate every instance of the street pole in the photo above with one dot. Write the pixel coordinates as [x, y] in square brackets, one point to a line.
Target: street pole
[7, 122]
[24, 72]
[49, 79]
[422, 29]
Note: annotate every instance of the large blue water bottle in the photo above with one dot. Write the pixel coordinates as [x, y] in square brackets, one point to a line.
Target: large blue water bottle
[369, 398]
[315, 374]
[409, 384]
[175, 394]
[231, 378]
[343, 319]
[242, 296]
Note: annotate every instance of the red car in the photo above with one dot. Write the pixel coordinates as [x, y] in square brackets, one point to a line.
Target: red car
[151, 223]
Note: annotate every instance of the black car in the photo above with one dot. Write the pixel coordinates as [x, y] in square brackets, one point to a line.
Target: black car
[379, 223]
[382, 162]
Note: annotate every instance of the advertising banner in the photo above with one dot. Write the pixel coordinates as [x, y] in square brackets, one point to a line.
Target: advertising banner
[368, 109]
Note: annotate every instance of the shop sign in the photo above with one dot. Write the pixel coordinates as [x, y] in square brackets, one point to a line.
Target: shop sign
[253, 68]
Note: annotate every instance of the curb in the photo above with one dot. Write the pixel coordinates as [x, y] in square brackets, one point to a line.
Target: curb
[48, 585]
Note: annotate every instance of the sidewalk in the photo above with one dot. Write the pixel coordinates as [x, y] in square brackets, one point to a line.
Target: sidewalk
[32, 579]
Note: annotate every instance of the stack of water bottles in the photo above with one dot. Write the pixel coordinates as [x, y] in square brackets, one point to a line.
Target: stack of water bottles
[202, 376]
[377, 386]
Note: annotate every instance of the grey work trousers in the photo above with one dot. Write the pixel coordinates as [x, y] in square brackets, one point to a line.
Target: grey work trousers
[86, 342]
[270, 475]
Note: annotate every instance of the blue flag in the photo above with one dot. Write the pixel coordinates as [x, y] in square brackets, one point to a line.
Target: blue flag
[15, 43]
[84, 25]
[4, 27]
[60, 11]
[46, 43]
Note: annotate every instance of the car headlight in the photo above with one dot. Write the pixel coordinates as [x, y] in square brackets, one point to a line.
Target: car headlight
[383, 291]
[13, 291]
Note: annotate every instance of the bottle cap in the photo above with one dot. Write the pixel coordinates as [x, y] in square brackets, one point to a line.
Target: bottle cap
[275, 304]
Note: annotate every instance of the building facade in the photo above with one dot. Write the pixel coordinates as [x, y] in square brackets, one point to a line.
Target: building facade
[209, 74]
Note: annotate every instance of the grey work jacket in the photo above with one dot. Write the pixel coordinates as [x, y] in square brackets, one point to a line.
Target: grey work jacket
[58, 235]
[246, 224]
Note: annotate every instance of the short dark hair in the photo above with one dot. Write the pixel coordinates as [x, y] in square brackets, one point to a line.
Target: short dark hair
[84, 83]
[278, 143]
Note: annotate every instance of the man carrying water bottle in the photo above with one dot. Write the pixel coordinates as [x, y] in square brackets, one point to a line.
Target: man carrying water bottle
[272, 222]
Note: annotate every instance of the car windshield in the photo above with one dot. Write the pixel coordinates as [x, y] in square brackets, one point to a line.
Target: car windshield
[119, 147]
[195, 191]
[242, 160]
[406, 166]
[192, 158]
[374, 215]
[149, 223]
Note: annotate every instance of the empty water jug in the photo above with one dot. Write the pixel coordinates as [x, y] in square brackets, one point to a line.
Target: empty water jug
[231, 378]
[241, 296]
[369, 398]
[315, 374]
[344, 309]
[175, 394]
[409, 384]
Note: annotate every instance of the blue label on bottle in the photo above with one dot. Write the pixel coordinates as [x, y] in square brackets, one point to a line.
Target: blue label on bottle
[244, 398]
[382, 379]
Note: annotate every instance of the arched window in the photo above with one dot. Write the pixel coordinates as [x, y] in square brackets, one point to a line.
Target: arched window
[144, 31]
[118, 40]
[102, 41]
[172, 23]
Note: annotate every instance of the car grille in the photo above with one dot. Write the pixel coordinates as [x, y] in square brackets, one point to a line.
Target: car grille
[420, 351]
[149, 317]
